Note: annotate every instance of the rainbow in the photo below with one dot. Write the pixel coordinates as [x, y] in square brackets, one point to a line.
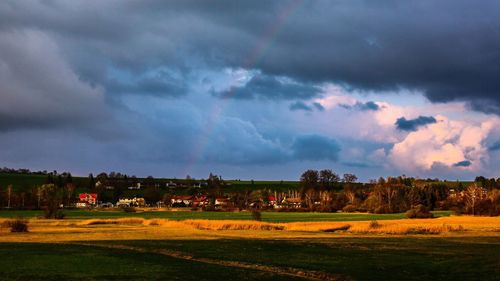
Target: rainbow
[255, 56]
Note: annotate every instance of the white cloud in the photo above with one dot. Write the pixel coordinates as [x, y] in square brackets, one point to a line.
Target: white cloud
[447, 143]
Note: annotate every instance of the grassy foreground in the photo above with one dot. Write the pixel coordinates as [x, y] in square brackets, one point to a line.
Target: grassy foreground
[132, 248]
[355, 258]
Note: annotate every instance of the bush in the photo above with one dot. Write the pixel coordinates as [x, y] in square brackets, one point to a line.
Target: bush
[384, 209]
[129, 209]
[59, 215]
[53, 213]
[349, 208]
[419, 212]
[374, 224]
[17, 225]
[337, 229]
[256, 215]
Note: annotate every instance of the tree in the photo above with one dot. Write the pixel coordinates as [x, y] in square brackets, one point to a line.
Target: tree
[350, 193]
[9, 194]
[349, 178]
[69, 189]
[309, 183]
[309, 179]
[327, 178]
[91, 185]
[472, 195]
[69, 178]
[53, 198]
[152, 195]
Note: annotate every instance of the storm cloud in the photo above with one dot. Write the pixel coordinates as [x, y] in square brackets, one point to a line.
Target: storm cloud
[315, 147]
[362, 106]
[183, 86]
[445, 49]
[270, 87]
[413, 124]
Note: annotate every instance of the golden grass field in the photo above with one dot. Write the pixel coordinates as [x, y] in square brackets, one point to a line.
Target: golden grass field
[42, 230]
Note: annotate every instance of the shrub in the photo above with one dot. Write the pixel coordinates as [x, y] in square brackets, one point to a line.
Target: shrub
[17, 225]
[59, 215]
[384, 209]
[336, 229]
[129, 209]
[419, 212]
[256, 215]
[349, 208]
[53, 213]
[374, 225]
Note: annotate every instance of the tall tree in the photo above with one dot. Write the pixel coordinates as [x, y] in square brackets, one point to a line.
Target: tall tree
[349, 178]
[328, 178]
[9, 194]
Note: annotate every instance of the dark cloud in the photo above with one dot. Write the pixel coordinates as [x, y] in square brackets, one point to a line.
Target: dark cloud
[450, 53]
[404, 124]
[495, 146]
[298, 105]
[315, 148]
[161, 84]
[39, 90]
[270, 87]
[238, 142]
[358, 164]
[318, 106]
[366, 106]
[465, 163]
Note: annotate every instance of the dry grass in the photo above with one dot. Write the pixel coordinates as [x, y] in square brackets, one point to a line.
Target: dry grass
[42, 230]
[406, 226]
[232, 225]
[113, 221]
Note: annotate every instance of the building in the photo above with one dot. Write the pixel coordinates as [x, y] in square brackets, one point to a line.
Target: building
[131, 202]
[181, 200]
[87, 199]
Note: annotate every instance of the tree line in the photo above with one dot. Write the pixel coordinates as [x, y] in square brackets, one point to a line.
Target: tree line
[323, 190]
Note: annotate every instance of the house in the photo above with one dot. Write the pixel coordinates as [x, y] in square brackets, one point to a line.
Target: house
[88, 199]
[81, 205]
[131, 202]
[171, 184]
[272, 201]
[222, 201]
[292, 202]
[181, 201]
[200, 201]
[135, 187]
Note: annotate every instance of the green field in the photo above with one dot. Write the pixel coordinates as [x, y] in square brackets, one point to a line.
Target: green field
[76, 262]
[183, 215]
[20, 181]
[353, 258]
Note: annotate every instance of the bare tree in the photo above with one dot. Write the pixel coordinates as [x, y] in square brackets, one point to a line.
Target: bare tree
[472, 195]
[9, 194]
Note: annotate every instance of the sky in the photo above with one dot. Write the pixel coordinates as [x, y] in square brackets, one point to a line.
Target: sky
[251, 89]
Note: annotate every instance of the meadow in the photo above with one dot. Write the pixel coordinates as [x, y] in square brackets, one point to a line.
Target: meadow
[133, 246]
[184, 215]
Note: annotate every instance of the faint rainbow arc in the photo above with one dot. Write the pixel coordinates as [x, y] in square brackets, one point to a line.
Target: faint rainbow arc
[258, 52]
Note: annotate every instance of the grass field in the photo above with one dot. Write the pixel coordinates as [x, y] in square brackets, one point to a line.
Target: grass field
[357, 258]
[34, 261]
[183, 215]
[131, 248]
[337, 259]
